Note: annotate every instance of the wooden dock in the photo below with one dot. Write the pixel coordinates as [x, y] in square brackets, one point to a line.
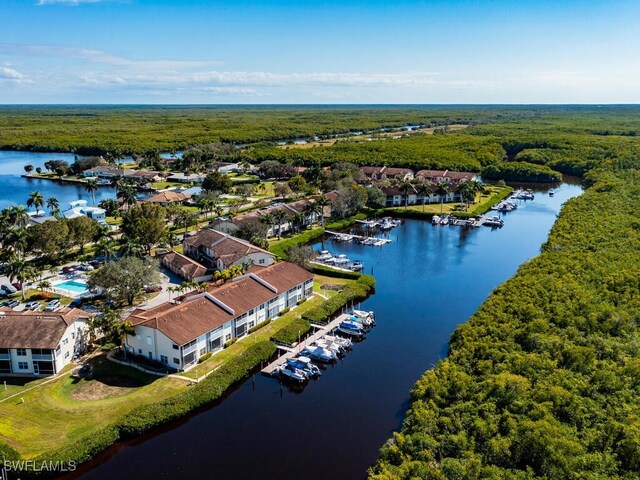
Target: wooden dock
[290, 352]
[351, 236]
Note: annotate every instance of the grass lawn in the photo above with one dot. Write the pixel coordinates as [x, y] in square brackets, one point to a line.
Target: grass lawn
[116, 221]
[480, 204]
[161, 185]
[70, 408]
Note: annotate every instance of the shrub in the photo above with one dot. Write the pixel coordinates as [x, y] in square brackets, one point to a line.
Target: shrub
[290, 333]
[257, 327]
[331, 272]
[108, 347]
[228, 343]
[205, 357]
[367, 280]
[281, 247]
[284, 310]
[351, 291]
[301, 301]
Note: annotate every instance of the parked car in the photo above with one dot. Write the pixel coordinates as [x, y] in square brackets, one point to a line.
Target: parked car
[66, 269]
[33, 305]
[17, 285]
[10, 289]
[153, 288]
[96, 264]
[12, 303]
[52, 306]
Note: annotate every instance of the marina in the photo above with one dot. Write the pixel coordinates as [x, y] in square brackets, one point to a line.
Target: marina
[323, 345]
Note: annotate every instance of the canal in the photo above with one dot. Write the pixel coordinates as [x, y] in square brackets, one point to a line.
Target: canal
[430, 279]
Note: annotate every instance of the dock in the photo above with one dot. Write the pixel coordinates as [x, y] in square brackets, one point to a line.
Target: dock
[350, 236]
[290, 352]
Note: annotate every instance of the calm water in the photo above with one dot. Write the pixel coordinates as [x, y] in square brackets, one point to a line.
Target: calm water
[14, 189]
[430, 279]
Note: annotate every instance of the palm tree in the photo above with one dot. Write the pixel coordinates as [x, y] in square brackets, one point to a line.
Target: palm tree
[35, 200]
[131, 248]
[405, 188]
[423, 190]
[268, 220]
[20, 270]
[16, 240]
[43, 285]
[320, 203]
[91, 187]
[205, 204]
[117, 182]
[442, 190]
[54, 206]
[128, 196]
[106, 248]
[279, 217]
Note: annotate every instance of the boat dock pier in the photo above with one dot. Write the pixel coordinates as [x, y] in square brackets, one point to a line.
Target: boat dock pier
[347, 237]
[290, 352]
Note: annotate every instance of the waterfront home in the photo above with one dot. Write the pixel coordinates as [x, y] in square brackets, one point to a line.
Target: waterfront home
[226, 167]
[185, 267]
[79, 208]
[178, 333]
[40, 219]
[186, 178]
[40, 343]
[145, 176]
[167, 197]
[107, 172]
[372, 174]
[297, 209]
[446, 176]
[396, 196]
[220, 250]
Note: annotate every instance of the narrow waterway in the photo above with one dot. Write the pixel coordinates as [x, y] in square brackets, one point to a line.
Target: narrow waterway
[430, 279]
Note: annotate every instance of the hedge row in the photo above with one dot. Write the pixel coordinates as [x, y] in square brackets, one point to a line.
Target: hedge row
[520, 172]
[351, 291]
[290, 333]
[260, 325]
[146, 417]
[332, 272]
[281, 247]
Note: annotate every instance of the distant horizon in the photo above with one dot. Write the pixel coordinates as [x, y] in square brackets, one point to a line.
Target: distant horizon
[319, 105]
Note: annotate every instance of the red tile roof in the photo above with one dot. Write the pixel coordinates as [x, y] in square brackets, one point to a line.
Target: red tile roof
[29, 329]
[183, 265]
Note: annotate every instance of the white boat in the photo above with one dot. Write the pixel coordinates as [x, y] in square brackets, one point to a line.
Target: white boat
[379, 242]
[386, 225]
[319, 354]
[324, 256]
[435, 220]
[292, 373]
[356, 266]
[341, 260]
[305, 364]
[344, 342]
[351, 328]
[334, 347]
[494, 221]
[365, 315]
[444, 220]
[552, 192]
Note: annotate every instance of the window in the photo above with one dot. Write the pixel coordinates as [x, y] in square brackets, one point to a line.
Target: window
[58, 351]
[175, 347]
[176, 361]
[149, 342]
[241, 330]
[139, 351]
[227, 337]
[250, 324]
[4, 351]
[164, 359]
[250, 312]
[150, 356]
[261, 261]
[65, 341]
[23, 366]
[22, 352]
[66, 355]
[216, 343]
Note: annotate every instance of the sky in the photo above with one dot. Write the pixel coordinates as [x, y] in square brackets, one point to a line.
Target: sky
[319, 51]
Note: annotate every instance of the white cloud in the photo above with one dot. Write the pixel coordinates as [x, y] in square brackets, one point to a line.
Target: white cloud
[12, 75]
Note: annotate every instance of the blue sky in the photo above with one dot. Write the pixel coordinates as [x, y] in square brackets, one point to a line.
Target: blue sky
[348, 51]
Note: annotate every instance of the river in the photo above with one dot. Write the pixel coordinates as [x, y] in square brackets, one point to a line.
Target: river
[15, 189]
[429, 280]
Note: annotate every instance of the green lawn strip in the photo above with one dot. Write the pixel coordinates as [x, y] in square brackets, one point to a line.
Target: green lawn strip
[50, 415]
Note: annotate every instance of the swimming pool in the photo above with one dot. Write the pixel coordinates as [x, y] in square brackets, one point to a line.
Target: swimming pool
[74, 286]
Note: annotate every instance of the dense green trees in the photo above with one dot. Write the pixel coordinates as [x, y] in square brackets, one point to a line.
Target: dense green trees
[542, 382]
[145, 224]
[125, 279]
[520, 172]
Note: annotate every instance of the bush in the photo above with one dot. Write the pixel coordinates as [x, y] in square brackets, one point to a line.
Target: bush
[351, 291]
[284, 310]
[228, 343]
[290, 333]
[257, 327]
[331, 272]
[108, 347]
[301, 301]
[367, 280]
[281, 247]
[205, 357]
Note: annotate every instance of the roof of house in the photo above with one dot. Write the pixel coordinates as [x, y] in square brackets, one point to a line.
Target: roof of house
[200, 313]
[397, 190]
[392, 171]
[226, 247]
[168, 196]
[456, 176]
[190, 176]
[187, 266]
[150, 174]
[29, 329]
[110, 170]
